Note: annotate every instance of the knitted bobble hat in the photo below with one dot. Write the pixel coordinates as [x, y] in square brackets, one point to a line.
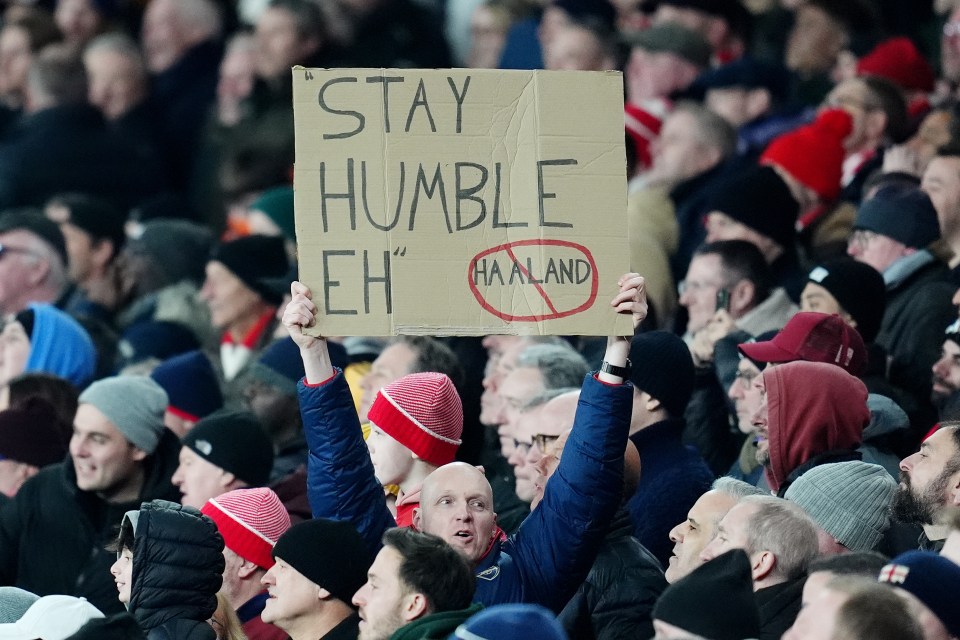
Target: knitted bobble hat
[250, 521]
[813, 154]
[421, 411]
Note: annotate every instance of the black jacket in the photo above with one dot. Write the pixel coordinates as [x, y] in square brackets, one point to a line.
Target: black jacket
[779, 606]
[616, 600]
[177, 571]
[52, 535]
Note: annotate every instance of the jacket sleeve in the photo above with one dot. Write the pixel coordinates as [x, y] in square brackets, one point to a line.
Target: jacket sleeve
[557, 543]
[340, 481]
[624, 610]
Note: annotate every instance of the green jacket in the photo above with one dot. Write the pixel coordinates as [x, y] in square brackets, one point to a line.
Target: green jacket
[435, 626]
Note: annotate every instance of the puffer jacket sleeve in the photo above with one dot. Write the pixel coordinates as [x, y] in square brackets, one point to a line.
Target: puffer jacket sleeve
[558, 542]
[341, 483]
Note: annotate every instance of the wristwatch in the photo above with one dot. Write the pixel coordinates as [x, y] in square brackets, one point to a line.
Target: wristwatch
[614, 370]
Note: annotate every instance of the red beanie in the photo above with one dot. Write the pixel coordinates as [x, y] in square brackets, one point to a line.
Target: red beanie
[421, 411]
[898, 60]
[813, 153]
[250, 521]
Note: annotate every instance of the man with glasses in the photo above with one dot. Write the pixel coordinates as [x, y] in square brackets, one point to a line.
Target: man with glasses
[537, 429]
[891, 233]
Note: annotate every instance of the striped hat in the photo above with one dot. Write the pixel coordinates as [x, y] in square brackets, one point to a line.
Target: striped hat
[250, 521]
[421, 411]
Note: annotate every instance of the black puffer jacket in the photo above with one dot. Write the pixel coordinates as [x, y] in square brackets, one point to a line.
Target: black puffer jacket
[177, 571]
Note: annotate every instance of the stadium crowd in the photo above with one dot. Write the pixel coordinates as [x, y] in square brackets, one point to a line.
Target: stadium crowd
[773, 453]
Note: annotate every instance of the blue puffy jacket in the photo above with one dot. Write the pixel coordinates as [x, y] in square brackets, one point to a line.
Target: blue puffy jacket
[545, 561]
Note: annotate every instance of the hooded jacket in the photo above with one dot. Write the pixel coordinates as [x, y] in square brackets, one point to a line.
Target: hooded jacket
[817, 413]
[177, 571]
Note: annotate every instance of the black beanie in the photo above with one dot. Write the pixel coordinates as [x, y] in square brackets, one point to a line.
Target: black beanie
[714, 601]
[662, 366]
[858, 288]
[235, 442]
[254, 259]
[761, 200]
[34, 221]
[906, 215]
[329, 553]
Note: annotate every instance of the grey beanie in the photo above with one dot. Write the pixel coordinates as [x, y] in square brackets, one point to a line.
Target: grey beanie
[134, 404]
[14, 602]
[848, 500]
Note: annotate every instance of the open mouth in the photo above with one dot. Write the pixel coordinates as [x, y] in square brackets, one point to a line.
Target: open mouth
[463, 536]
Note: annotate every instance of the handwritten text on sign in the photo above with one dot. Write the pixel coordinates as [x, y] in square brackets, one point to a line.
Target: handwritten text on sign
[460, 202]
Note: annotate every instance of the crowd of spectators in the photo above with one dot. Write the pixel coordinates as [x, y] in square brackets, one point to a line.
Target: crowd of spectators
[773, 453]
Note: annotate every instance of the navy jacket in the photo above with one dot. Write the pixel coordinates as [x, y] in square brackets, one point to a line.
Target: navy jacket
[552, 552]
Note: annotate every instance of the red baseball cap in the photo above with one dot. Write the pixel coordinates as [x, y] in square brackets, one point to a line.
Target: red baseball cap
[813, 337]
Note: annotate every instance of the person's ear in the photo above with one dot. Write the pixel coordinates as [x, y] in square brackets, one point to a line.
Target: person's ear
[323, 594]
[762, 564]
[414, 606]
[652, 404]
[247, 569]
[101, 251]
[742, 297]
[417, 517]
[138, 455]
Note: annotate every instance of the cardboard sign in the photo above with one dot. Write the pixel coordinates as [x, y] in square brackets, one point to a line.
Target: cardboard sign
[461, 202]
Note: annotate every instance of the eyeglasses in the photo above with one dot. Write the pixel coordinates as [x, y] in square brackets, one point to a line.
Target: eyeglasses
[861, 238]
[692, 286]
[745, 377]
[542, 441]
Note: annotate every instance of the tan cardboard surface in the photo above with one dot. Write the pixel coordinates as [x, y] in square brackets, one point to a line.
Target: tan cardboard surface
[461, 202]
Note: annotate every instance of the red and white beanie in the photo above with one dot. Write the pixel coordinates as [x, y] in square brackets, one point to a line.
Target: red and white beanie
[421, 411]
[250, 521]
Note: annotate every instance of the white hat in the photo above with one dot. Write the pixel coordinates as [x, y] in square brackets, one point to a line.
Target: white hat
[51, 618]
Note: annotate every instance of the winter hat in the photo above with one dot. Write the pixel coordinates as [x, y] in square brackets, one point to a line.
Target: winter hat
[848, 500]
[952, 332]
[34, 221]
[813, 154]
[51, 618]
[277, 204]
[281, 366]
[250, 521]
[511, 622]
[329, 553]
[421, 411]
[32, 433]
[899, 61]
[673, 38]
[761, 200]
[179, 248]
[14, 602]
[160, 339]
[253, 258]
[815, 337]
[907, 216]
[747, 73]
[858, 288]
[933, 579]
[191, 384]
[60, 345]
[134, 404]
[595, 14]
[235, 442]
[662, 366]
[701, 602]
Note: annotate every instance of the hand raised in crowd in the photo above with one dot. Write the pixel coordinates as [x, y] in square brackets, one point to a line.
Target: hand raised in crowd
[632, 297]
[300, 314]
[705, 340]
